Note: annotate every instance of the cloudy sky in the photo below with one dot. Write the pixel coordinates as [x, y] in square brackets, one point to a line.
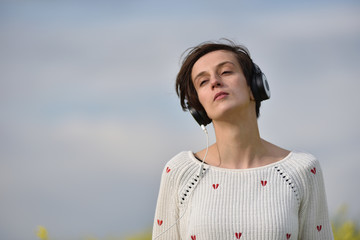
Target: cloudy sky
[89, 115]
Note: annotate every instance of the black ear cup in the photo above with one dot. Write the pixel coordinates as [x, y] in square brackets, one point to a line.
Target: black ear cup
[259, 85]
[200, 116]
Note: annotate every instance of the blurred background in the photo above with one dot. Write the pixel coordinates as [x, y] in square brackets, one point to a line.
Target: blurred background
[89, 114]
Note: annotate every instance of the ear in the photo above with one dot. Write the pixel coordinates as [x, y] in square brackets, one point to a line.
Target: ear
[251, 94]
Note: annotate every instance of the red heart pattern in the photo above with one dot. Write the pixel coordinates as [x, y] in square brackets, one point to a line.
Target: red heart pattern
[263, 183]
[238, 235]
[319, 228]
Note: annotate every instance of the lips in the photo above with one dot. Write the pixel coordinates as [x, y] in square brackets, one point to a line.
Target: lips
[220, 95]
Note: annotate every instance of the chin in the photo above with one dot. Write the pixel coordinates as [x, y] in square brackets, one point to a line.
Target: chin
[226, 111]
[222, 112]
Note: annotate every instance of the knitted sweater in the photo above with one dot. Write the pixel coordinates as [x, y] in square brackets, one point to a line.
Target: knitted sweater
[282, 200]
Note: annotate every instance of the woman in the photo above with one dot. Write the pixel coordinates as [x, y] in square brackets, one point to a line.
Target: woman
[247, 188]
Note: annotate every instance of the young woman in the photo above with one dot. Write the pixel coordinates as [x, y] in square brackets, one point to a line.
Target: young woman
[246, 188]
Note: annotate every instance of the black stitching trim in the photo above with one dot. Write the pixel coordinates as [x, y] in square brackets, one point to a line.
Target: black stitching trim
[190, 187]
[288, 181]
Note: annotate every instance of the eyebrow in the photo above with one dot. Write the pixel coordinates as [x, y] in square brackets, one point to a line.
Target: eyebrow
[217, 66]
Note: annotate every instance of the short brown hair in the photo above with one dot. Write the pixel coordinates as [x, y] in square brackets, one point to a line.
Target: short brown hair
[184, 85]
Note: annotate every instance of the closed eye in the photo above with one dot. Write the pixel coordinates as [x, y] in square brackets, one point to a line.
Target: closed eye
[202, 82]
[226, 72]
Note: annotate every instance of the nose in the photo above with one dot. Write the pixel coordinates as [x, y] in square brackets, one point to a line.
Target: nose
[215, 81]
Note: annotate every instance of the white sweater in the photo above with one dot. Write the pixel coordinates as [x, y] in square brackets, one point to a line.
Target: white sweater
[282, 200]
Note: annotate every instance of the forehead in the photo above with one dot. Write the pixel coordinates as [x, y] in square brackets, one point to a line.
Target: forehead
[213, 59]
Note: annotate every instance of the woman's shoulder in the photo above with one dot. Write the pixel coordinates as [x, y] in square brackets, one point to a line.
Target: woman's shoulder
[182, 162]
[302, 164]
[181, 158]
[304, 159]
[181, 170]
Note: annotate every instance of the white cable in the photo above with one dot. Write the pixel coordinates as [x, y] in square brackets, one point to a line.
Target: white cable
[174, 223]
[207, 149]
[200, 176]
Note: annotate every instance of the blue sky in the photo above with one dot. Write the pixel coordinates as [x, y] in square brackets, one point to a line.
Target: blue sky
[89, 115]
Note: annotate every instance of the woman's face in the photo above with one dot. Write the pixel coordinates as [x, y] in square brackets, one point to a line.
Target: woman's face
[221, 85]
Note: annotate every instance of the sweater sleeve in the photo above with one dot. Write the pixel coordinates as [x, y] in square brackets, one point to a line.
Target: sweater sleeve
[314, 219]
[167, 211]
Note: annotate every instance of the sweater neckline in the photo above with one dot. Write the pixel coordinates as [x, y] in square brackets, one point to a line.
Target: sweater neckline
[198, 162]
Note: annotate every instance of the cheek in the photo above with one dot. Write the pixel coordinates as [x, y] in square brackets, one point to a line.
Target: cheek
[243, 89]
[202, 98]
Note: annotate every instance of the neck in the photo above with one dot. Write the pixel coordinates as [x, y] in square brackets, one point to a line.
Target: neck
[238, 143]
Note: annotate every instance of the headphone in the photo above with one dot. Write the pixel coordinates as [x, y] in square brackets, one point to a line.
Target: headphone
[259, 87]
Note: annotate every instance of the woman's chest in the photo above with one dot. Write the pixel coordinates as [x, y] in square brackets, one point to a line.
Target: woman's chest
[259, 207]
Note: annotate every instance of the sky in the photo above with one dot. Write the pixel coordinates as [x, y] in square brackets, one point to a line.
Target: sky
[89, 115]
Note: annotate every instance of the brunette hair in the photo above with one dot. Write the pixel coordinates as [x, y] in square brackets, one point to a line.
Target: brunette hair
[184, 85]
